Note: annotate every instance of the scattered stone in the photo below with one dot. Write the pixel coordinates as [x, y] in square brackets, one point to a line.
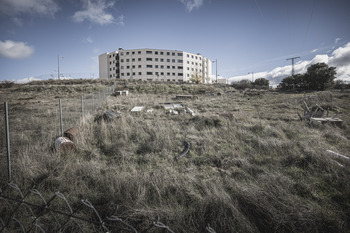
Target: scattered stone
[137, 109]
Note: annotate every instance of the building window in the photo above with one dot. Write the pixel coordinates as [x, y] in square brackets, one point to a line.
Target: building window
[174, 74]
[110, 63]
[173, 54]
[157, 73]
[127, 53]
[168, 67]
[173, 60]
[149, 66]
[128, 67]
[161, 60]
[188, 68]
[133, 67]
[127, 60]
[161, 53]
[179, 54]
[148, 52]
[162, 67]
[139, 52]
[140, 73]
[167, 53]
[168, 60]
[148, 59]
[156, 66]
[122, 53]
[188, 62]
[155, 59]
[139, 59]
[110, 69]
[188, 55]
[139, 66]
[188, 75]
[173, 67]
[149, 73]
[180, 67]
[161, 73]
[133, 52]
[133, 73]
[122, 74]
[168, 74]
[110, 56]
[192, 56]
[180, 61]
[180, 74]
[156, 52]
[133, 60]
[127, 74]
[122, 60]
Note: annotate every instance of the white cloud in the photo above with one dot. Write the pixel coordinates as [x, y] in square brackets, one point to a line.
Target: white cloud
[192, 4]
[340, 59]
[18, 7]
[337, 40]
[15, 50]
[88, 40]
[95, 12]
[27, 80]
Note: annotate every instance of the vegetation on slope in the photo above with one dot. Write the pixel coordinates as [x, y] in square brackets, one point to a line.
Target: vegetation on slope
[252, 166]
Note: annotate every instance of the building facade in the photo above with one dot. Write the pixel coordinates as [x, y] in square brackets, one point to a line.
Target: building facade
[154, 65]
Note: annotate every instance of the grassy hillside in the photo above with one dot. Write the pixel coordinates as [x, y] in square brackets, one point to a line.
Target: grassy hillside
[253, 166]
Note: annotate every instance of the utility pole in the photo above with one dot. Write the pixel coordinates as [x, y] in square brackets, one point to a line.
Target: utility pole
[292, 58]
[216, 69]
[252, 75]
[58, 67]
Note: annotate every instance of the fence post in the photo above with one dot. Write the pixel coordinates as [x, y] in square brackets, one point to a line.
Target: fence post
[7, 126]
[93, 102]
[99, 98]
[82, 106]
[61, 120]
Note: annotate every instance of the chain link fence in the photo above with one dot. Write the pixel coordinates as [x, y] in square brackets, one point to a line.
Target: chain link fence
[36, 120]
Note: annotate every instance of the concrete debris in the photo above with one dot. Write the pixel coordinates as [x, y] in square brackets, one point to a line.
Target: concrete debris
[149, 110]
[172, 106]
[124, 92]
[173, 112]
[137, 109]
[190, 111]
[168, 106]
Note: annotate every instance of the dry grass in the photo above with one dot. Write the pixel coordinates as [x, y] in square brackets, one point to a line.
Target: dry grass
[252, 167]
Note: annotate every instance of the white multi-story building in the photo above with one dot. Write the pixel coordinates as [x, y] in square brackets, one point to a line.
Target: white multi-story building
[154, 65]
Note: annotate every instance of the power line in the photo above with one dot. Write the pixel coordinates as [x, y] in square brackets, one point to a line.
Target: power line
[308, 25]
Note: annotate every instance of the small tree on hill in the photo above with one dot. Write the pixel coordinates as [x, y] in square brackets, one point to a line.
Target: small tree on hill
[262, 82]
[319, 76]
[196, 78]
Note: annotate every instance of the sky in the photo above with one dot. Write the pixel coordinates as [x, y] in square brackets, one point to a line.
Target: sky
[244, 36]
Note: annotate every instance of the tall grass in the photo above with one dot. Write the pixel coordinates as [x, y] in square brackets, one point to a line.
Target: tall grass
[252, 166]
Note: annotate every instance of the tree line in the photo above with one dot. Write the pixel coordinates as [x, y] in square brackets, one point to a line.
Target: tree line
[318, 77]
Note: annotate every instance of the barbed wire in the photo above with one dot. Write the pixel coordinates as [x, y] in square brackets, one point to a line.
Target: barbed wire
[36, 212]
